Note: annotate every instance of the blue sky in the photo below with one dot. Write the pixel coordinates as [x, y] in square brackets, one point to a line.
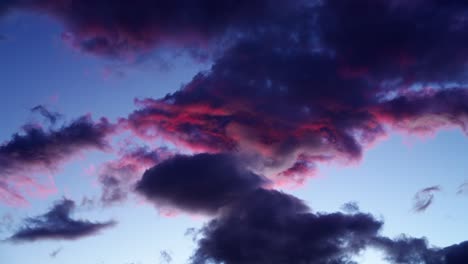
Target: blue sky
[38, 68]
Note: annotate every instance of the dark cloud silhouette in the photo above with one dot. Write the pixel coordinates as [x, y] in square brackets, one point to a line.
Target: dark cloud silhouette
[268, 226]
[58, 224]
[52, 117]
[37, 150]
[424, 198]
[456, 254]
[200, 183]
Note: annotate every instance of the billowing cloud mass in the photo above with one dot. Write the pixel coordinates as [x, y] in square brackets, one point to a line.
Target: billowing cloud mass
[424, 198]
[200, 183]
[58, 224]
[272, 227]
[293, 84]
[293, 107]
[300, 93]
[42, 150]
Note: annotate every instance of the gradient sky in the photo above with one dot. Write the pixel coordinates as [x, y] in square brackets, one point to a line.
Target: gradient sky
[403, 162]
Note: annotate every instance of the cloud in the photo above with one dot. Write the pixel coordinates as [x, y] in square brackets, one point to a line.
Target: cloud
[456, 254]
[350, 207]
[52, 117]
[54, 253]
[282, 102]
[405, 41]
[120, 30]
[268, 226]
[118, 177]
[407, 250]
[424, 198]
[40, 150]
[294, 85]
[57, 224]
[202, 183]
[463, 188]
[165, 257]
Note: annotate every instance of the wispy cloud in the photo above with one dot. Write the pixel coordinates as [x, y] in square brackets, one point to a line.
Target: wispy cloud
[424, 198]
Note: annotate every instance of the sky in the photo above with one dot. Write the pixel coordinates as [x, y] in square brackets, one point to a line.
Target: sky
[233, 132]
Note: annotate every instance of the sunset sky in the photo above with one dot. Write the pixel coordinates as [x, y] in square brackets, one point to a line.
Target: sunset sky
[233, 132]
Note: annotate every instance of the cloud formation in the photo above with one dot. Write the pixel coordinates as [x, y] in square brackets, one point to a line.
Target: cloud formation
[294, 85]
[424, 198]
[292, 107]
[58, 224]
[268, 226]
[42, 150]
[202, 183]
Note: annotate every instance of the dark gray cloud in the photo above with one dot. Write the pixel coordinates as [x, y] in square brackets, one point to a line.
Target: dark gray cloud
[200, 183]
[272, 227]
[58, 224]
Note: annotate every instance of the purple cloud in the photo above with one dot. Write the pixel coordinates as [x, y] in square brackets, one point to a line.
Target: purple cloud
[202, 183]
